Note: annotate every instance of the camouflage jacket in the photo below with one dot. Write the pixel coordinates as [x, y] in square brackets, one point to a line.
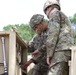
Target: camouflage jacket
[60, 35]
[37, 42]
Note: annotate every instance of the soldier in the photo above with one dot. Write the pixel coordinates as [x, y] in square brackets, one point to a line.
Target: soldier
[59, 40]
[37, 45]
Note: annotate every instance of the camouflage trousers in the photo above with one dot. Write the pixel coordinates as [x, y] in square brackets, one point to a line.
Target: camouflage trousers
[40, 70]
[60, 68]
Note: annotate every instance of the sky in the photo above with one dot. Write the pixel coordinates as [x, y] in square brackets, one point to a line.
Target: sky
[20, 11]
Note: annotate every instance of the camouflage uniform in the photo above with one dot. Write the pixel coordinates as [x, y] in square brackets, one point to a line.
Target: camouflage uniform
[41, 67]
[38, 41]
[60, 39]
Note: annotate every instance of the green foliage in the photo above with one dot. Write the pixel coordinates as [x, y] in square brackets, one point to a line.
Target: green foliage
[8, 27]
[24, 31]
[75, 36]
[73, 19]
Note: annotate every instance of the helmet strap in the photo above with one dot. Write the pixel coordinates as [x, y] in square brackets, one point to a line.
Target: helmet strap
[52, 11]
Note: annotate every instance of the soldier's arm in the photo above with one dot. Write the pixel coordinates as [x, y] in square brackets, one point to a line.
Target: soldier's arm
[26, 64]
[42, 49]
[35, 57]
[38, 54]
[31, 44]
[52, 38]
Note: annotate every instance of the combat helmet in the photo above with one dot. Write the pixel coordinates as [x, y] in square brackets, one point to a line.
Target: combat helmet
[36, 19]
[50, 3]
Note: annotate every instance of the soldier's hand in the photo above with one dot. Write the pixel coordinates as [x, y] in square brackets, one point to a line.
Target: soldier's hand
[35, 53]
[24, 66]
[49, 60]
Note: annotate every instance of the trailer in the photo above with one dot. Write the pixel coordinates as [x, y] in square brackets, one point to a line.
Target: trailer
[15, 53]
[72, 62]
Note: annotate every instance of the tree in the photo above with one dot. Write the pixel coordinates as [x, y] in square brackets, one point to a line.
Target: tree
[24, 31]
[73, 21]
